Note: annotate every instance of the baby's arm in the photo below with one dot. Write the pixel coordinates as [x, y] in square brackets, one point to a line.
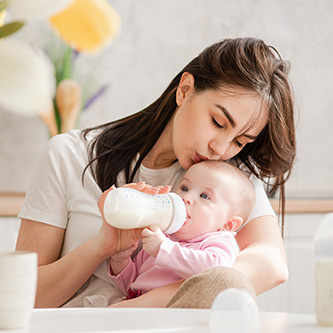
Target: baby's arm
[120, 260]
[152, 240]
[188, 260]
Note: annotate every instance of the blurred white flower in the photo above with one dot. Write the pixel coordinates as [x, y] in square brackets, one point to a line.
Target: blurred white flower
[36, 9]
[27, 82]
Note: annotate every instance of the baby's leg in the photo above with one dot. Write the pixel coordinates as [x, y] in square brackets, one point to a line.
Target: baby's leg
[200, 291]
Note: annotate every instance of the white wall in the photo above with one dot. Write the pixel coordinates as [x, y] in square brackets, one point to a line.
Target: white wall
[159, 37]
[298, 293]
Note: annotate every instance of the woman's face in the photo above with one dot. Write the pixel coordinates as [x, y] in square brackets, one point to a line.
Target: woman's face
[214, 125]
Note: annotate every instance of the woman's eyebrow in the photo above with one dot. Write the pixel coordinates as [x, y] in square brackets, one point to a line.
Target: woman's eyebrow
[227, 114]
[232, 122]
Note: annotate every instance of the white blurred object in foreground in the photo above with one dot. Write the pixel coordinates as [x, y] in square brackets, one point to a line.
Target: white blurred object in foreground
[36, 9]
[234, 310]
[323, 244]
[27, 82]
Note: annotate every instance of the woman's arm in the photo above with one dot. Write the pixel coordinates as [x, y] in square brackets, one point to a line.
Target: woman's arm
[262, 258]
[59, 279]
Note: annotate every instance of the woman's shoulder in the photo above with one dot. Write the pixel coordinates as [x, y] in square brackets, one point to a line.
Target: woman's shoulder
[73, 139]
[67, 148]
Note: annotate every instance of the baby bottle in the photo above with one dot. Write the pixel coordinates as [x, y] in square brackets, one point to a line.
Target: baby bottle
[126, 208]
[323, 242]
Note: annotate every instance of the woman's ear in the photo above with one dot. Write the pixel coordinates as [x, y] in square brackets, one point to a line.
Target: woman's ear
[233, 224]
[185, 85]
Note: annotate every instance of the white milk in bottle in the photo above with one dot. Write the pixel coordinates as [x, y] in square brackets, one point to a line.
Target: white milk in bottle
[323, 242]
[126, 208]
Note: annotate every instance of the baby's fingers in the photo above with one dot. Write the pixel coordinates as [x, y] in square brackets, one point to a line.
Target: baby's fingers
[155, 228]
[146, 232]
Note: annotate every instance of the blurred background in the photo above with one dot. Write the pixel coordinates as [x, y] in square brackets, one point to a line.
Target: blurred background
[156, 39]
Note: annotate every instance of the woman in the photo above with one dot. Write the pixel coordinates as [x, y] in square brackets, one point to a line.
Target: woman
[233, 101]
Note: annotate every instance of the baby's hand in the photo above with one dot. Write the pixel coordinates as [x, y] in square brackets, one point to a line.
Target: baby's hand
[152, 240]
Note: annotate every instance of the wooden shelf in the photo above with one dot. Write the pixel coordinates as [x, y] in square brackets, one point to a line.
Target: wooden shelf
[11, 203]
[294, 206]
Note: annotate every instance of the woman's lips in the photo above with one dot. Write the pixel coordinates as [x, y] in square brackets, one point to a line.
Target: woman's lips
[198, 158]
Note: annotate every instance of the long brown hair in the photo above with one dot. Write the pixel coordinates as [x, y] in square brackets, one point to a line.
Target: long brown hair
[242, 62]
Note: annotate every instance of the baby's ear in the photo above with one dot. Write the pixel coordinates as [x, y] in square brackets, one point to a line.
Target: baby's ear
[233, 224]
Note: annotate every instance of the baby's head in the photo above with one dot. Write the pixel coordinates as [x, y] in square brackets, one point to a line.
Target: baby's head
[218, 196]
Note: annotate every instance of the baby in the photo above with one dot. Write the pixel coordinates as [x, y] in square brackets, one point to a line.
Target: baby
[218, 198]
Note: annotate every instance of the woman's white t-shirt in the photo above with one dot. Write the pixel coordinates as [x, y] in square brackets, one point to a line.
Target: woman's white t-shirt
[57, 195]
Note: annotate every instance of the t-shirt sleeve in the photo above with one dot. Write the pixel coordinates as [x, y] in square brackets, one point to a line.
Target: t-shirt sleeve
[45, 199]
[262, 206]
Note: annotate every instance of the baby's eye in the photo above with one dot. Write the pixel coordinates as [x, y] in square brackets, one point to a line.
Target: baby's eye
[204, 196]
[184, 188]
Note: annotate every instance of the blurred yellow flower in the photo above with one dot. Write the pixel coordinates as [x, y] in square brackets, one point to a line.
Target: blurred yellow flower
[2, 17]
[87, 25]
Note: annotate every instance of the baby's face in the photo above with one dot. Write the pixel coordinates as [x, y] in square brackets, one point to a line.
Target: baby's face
[207, 196]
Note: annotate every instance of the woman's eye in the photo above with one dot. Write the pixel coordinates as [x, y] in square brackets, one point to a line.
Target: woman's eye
[184, 188]
[217, 124]
[204, 196]
[239, 144]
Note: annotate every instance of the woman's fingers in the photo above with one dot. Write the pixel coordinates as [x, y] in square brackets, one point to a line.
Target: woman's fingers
[102, 198]
[142, 187]
[127, 238]
[164, 189]
[145, 188]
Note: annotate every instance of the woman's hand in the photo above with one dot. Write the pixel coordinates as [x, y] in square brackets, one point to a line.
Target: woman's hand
[120, 260]
[111, 240]
[143, 187]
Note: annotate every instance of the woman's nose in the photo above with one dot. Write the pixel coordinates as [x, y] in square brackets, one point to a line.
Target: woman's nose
[218, 150]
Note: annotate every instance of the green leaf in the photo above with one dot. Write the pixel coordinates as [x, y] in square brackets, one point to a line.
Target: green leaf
[67, 64]
[57, 115]
[10, 28]
[3, 5]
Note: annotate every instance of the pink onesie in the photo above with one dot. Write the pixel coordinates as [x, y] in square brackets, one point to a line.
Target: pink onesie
[176, 260]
